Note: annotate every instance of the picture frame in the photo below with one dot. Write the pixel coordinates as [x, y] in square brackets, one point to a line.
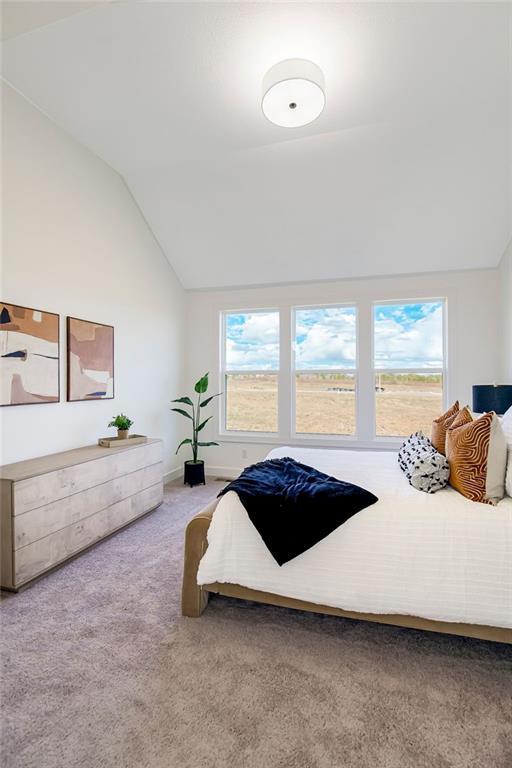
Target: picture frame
[29, 355]
[90, 360]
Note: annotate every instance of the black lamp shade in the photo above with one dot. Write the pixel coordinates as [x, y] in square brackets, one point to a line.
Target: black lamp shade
[488, 397]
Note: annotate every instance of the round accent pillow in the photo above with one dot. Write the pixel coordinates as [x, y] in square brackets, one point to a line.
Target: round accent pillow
[425, 468]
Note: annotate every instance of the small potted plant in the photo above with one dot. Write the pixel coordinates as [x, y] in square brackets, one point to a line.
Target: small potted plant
[123, 424]
[194, 468]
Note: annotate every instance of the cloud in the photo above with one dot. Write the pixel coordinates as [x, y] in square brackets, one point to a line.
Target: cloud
[252, 341]
[325, 338]
[409, 336]
[406, 336]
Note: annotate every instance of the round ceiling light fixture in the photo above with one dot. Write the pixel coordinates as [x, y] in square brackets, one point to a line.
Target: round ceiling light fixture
[293, 93]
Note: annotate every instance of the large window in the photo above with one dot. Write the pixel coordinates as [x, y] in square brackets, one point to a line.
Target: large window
[408, 366]
[370, 372]
[325, 366]
[250, 361]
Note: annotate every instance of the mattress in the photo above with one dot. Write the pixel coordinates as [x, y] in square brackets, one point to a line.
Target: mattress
[437, 556]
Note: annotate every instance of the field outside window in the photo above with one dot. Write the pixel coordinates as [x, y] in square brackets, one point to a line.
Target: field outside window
[251, 371]
[325, 370]
[408, 365]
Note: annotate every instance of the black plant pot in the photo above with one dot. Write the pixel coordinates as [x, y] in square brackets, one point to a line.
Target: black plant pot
[194, 473]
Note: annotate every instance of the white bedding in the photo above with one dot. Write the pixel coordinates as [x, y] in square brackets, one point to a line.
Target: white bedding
[438, 556]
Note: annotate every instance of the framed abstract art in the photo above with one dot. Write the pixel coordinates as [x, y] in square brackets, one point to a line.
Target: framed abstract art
[90, 360]
[29, 355]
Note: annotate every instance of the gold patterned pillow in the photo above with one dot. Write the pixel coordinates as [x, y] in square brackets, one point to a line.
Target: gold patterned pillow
[463, 416]
[477, 454]
[439, 427]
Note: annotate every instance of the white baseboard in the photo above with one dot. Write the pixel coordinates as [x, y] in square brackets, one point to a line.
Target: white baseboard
[173, 474]
[228, 473]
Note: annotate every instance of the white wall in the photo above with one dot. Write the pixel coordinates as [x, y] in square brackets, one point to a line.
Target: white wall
[505, 279]
[473, 316]
[75, 243]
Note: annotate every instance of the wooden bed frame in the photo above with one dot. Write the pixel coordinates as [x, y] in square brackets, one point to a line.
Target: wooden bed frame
[195, 598]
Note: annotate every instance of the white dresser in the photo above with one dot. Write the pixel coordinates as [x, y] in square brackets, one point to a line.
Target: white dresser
[54, 506]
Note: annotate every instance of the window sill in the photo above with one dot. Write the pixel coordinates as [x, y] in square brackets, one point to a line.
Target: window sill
[315, 441]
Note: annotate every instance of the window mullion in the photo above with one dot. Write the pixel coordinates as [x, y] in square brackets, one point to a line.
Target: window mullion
[285, 393]
[221, 402]
[365, 403]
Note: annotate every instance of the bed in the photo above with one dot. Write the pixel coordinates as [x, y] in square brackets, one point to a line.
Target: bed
[436, 562]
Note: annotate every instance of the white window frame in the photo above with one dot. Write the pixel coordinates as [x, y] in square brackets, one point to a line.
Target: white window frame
[223, 431]
[443, 370]
[319, 437]
[365, 437]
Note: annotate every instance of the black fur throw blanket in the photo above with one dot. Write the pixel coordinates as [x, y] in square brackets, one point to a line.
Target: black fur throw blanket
[293, 506]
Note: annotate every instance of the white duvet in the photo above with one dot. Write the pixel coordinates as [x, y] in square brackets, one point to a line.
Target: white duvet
[438, 556]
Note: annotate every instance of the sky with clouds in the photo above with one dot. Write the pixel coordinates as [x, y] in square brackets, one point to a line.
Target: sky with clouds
[406, 336]
[252, 341]
[409, 335]
[325, 338]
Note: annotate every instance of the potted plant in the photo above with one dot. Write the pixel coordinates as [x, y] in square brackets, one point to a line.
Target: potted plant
[123, 424]
[194, 468]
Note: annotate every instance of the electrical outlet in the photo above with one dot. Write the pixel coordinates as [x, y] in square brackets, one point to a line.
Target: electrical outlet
[244, 453]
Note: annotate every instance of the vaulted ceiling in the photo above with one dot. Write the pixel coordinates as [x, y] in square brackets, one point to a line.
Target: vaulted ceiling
[408, 169]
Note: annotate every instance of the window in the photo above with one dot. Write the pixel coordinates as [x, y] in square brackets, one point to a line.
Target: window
[250, 362]
[333, 373]
[325, 370]
[408, 366]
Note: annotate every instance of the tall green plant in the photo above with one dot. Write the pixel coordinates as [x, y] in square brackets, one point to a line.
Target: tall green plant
[201, 387]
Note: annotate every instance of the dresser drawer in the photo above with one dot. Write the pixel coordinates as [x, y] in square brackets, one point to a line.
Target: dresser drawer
[38, 523]
[35, 558]
[35, 492]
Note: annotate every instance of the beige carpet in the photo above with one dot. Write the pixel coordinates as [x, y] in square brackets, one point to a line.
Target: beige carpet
[101, 671]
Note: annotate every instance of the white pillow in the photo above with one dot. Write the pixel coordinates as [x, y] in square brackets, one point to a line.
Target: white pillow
[496, 461]
[506, 425]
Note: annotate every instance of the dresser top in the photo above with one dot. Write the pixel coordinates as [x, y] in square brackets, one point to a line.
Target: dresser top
[22, 470]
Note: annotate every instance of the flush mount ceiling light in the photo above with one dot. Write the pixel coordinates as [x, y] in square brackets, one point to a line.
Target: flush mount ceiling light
[293, 93]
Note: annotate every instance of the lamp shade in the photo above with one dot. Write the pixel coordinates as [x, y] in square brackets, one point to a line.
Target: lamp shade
[293, 93]
[492, 397]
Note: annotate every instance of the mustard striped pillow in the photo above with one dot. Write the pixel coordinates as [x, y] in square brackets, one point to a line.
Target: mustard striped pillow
[457, 420]
[439, 427]
[477, 454]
